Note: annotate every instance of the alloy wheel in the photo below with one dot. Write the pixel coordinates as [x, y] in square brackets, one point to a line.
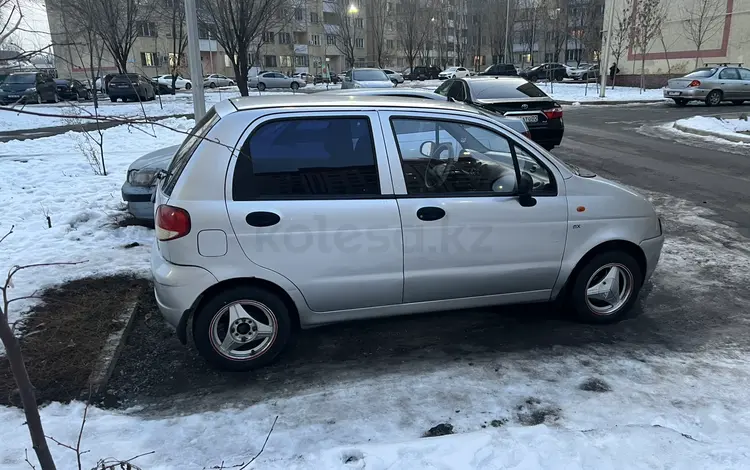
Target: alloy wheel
[609, 288]
[243, 330]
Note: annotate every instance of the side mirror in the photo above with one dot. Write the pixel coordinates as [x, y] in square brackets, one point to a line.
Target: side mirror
[525, 186]
[426, 148]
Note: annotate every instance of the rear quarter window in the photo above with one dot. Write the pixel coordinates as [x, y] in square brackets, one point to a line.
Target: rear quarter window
[186, 150]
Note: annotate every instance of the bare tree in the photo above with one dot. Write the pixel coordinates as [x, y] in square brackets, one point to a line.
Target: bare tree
[118, 24]
[529, 17]
[705, 20]
[172, 12]
[621, 35]
[10, 19]
[238, 24]
[554, 21]
[348, 28]
[378, 22]
[413, 27]
[586, 17]
[649, 16]
[496, 15]
[462, 32]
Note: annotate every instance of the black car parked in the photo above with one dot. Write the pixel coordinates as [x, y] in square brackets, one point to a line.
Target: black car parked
[512, 97]
[160, 88]
[508, 70]
[422, 72]
[131, 86]
[549, 71]
[69, 89]
[28, 87]
[319, 78]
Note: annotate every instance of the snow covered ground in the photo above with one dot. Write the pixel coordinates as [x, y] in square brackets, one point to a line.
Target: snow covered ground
[573, 92]
[663, 409]
[716, 127]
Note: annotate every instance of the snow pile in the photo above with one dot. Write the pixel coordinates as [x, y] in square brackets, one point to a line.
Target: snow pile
[715, 126]
[51, 176]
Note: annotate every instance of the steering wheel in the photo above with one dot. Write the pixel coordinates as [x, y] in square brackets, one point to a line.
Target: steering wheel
[445, 171]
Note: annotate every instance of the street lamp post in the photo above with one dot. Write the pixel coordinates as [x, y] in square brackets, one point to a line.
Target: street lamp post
[353, 10]
[603, 70]
[507, 29]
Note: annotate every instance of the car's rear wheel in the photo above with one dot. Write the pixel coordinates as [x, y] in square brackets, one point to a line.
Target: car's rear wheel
[680, 101]
[738, 102]
[395, 82]
[261, 86]
[113, 99]
[713, 98]
[212, 85]
[242, 328]
[295, 86]
[606, 288]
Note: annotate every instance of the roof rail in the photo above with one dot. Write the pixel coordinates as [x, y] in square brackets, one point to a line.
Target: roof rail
[723, 64]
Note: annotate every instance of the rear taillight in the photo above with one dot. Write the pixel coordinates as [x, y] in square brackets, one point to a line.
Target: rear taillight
[695, 83]
[554, 113]
[171, 223]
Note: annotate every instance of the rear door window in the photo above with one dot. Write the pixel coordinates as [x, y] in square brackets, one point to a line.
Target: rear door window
[307, 158]
[729, 74]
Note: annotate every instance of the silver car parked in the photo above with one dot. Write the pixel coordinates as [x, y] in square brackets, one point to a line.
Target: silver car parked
[283, 214]
[711, 85]
[275, 80]
[366, 78]
[215, 79]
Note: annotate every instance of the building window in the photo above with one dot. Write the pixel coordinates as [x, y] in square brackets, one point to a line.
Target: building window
[315, 40]
[550, 57]
[299, 15]
[359, 43]
[276, 167]
[330, 39]
[268, 37]
[270, 61]
[146, 29]
[573, 55]
[314, 18]
[285, 38]
[300, 61]
[285, 61]
[389, 43]
[359, 22]
[148, 59]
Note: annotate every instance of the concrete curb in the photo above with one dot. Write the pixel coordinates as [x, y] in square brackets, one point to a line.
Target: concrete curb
[719, 135]
[113, 347]
[610, 103]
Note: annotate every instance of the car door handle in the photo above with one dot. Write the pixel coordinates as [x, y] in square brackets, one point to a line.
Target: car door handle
[430, 213]
[262, 219]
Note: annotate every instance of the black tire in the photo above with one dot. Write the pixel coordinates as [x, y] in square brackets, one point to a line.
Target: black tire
[295, 86]
[738, 102]
[212, 85]
[261, 86]
[395, 82]
[713, 98]
[113, 99]
[212, 309]
[578, 297]
[38, 98]
[188, 86]
[680, 102]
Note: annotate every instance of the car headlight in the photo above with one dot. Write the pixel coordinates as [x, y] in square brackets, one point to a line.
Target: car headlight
[30, 90]
[145, 177]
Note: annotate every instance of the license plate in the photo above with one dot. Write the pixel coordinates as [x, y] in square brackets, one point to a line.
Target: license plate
[14, 96]
[532, 118]
[674, 93]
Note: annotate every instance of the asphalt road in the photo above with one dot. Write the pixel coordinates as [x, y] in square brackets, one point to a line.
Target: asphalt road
[625, 143]
[695, 302]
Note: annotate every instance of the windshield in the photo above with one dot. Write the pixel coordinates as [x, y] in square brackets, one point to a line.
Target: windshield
[370, 76]
[25, 78]
[698, 73]
[513, 89]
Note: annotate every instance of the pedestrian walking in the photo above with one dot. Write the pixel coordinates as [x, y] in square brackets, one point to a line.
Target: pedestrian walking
[613, 70]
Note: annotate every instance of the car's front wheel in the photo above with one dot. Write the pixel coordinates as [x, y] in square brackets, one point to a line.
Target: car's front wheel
[606, 288]
[261, 86]
[242, 328]
[188, 85]
[295, 86]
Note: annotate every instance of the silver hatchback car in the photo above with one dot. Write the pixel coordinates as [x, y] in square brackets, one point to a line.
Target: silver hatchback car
[277, 214]
[711, 85]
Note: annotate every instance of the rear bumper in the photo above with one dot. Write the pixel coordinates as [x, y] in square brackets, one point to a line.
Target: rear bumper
[122, 93]
[652, 249]
[176, 288]
[686, 93]
[549, 135]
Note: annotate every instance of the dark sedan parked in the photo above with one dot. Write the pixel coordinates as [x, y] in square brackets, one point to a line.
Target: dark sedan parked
[161, 88]
[28, 87]
[422, 72]
[550, 71]
[512, 97]
[131, 86]
[69, 89]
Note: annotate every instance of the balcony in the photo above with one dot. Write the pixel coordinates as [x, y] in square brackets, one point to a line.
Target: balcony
[300, 49]
[209, 45]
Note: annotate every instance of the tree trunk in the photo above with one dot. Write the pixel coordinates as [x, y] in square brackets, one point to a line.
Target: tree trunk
[26, 391]
[697, 55]
[643, 70]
